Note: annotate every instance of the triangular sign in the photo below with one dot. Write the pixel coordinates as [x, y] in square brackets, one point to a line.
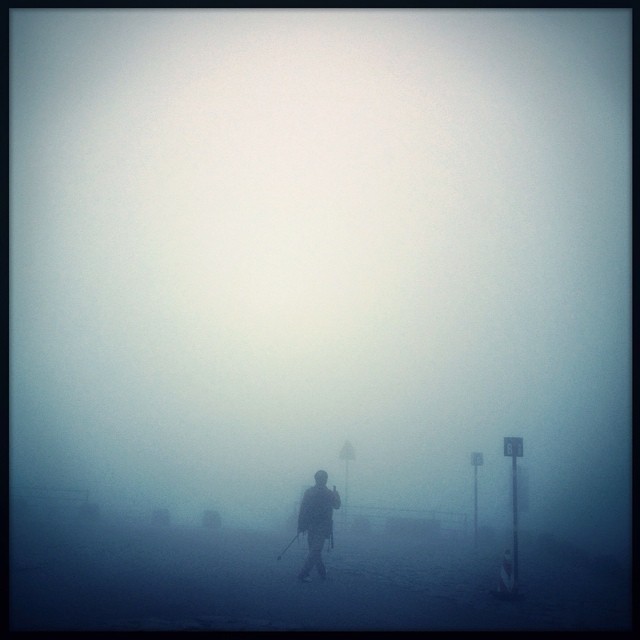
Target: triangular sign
[348, 452]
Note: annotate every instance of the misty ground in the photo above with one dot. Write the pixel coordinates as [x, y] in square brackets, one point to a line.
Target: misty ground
[108, 575]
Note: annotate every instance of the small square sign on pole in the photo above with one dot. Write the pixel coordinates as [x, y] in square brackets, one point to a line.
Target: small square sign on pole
[476, 459]
[513, 447]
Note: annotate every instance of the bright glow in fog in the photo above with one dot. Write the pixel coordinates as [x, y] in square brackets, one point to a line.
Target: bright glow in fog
[239, 238]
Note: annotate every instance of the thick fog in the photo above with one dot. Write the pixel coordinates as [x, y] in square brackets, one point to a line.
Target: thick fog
[239, 239]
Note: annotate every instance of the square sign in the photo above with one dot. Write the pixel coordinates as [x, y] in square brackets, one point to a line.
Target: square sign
[476, 459]
[513, 447]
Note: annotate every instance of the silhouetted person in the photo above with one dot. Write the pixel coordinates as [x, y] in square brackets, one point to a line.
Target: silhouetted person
[316, 519]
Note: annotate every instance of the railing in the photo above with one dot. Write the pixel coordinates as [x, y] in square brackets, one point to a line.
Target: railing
[51, 503]
[51, 499]
[426, 521]
[49, 494]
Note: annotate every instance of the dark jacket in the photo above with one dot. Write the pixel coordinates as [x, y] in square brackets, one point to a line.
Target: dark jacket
[316, 510]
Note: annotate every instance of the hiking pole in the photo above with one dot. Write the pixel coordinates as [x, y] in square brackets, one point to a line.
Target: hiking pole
[294, 539]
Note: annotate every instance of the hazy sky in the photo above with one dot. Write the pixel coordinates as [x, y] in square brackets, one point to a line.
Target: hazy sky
[241, 237]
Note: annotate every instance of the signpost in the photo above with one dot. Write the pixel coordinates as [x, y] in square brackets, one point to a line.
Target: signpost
[346, 453]
[514, 447]
[476, 461]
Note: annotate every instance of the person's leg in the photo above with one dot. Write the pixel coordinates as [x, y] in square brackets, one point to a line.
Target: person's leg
[311, 558]
[316, 543]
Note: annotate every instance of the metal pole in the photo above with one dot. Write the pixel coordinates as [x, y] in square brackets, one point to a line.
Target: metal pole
[515, 519]
[346, 490]
[475, 510]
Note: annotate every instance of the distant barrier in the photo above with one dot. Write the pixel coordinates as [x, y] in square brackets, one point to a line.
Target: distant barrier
[414, 527]
[48, 501]
[416, 523]
[43, 504]
[49, 494]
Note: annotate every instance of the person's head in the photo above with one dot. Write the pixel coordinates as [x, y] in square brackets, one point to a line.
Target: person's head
[321, 477]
